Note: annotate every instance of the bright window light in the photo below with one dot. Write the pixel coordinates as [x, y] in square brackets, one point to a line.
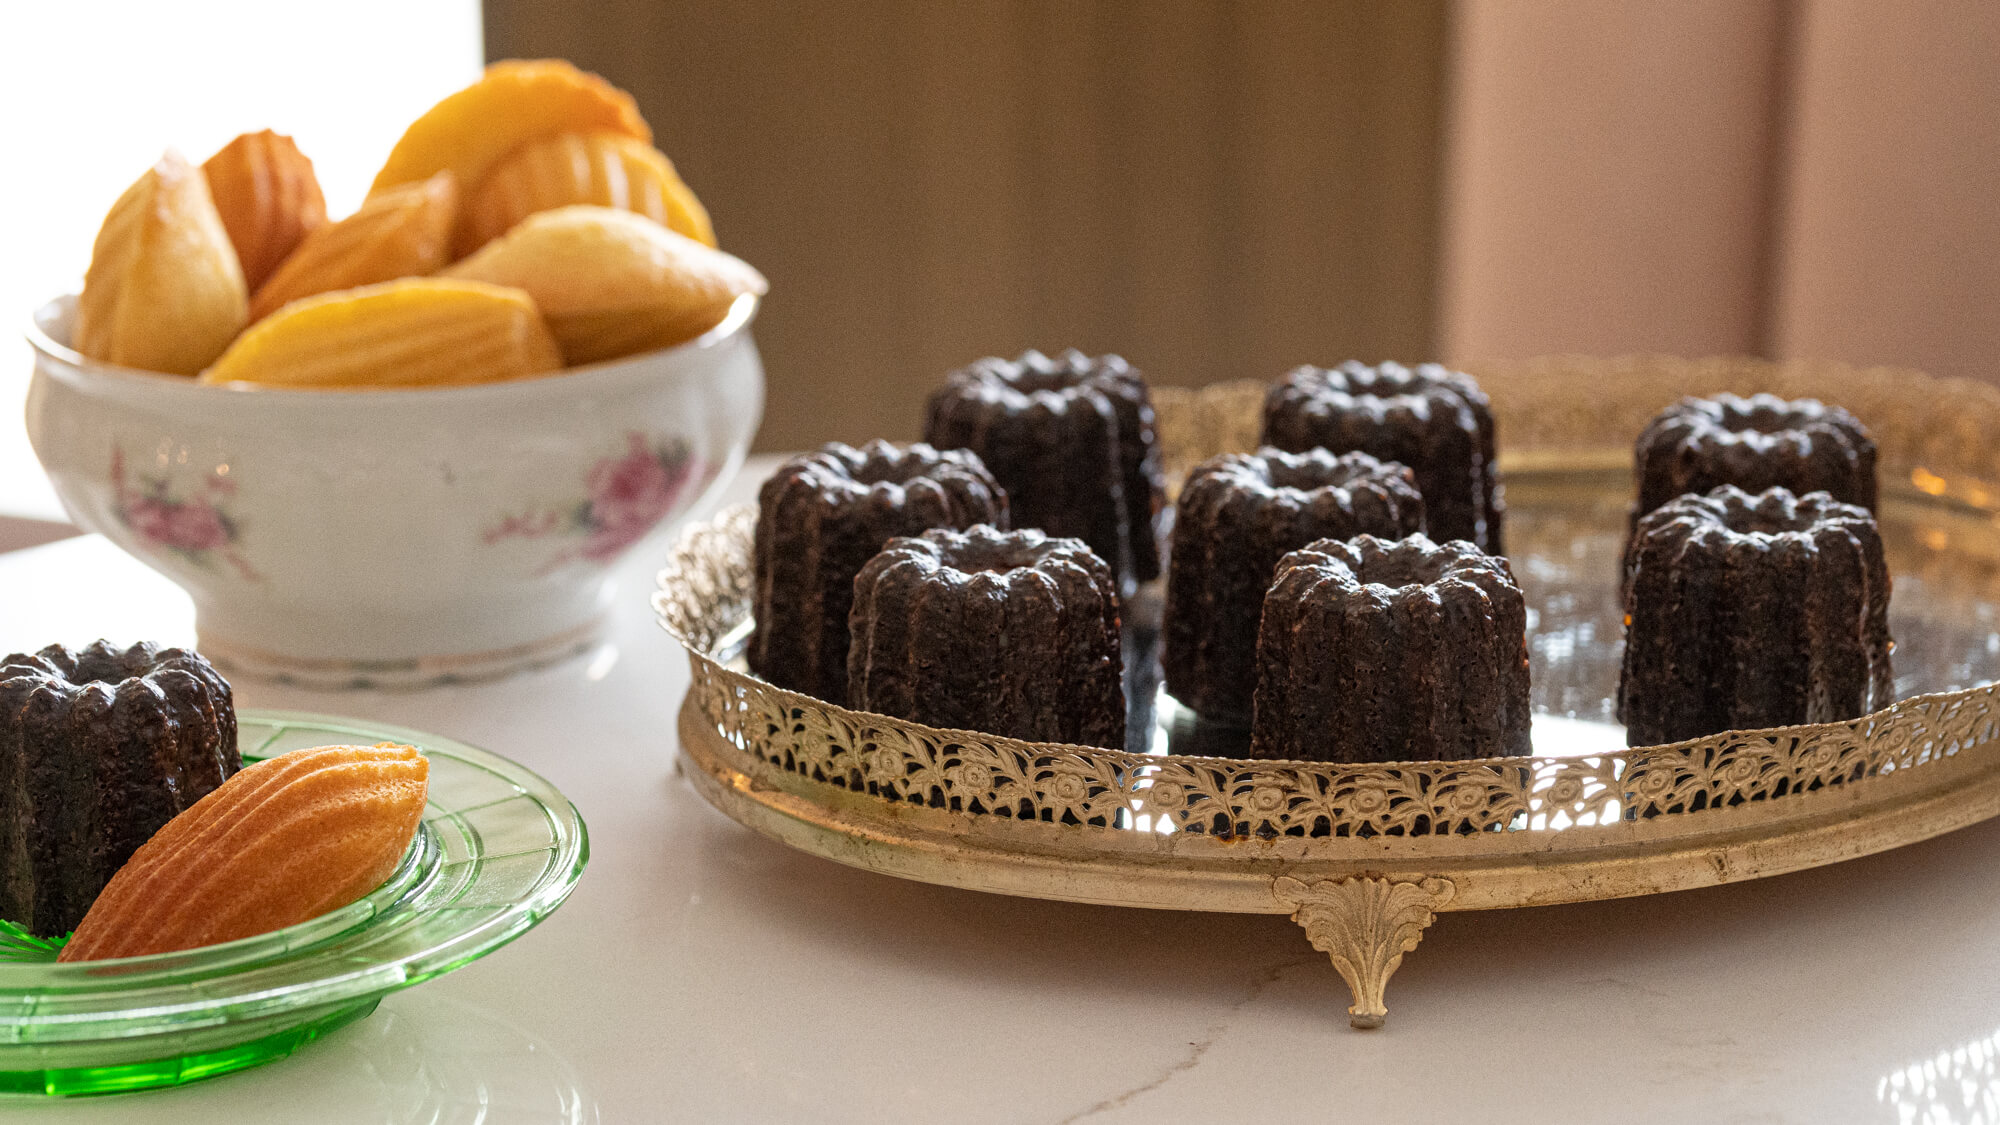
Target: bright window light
[94, 90]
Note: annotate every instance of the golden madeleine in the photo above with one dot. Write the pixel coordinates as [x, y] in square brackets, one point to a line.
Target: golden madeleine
[268, 197]
[415, 332]
[610, 283]
[283, 841]
[403, 232]
[605, 169]
[513, 103]
[164, 290]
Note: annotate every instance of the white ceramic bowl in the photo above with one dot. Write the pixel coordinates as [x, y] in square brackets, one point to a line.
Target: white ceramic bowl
[395, 536]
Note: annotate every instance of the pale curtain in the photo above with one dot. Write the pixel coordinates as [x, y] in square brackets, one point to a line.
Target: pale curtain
[1809, 178]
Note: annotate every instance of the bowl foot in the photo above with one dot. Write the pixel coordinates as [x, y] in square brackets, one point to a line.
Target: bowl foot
[396, 673]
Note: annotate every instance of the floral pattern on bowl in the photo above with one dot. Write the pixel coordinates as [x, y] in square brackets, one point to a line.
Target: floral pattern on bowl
[626, 495]
[193, 526]
[374, 520]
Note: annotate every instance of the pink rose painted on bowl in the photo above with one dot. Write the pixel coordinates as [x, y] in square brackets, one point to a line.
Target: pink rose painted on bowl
[629, 495]
[193, 526]
[626, 496]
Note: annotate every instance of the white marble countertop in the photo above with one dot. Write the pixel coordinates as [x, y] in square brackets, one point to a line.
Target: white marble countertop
[702, 973]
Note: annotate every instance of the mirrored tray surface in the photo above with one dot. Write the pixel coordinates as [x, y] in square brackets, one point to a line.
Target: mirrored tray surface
[1364, 856]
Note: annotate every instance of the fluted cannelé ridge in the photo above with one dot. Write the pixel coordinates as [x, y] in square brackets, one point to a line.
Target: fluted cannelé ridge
[1755, 443]
[1437, 422]
[1748, 611]
[1378, 651]
[821, 517]
[1071, 440]
[1011, 633]
[1237, 516]
[98, 749]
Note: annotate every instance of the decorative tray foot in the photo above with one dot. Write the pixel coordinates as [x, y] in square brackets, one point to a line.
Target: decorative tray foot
[1365, 925]
[1371, 851]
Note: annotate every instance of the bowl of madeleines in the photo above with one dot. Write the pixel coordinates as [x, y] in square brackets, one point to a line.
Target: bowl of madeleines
[409, 445]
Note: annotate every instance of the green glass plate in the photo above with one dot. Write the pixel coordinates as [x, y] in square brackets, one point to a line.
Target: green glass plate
[499, 849]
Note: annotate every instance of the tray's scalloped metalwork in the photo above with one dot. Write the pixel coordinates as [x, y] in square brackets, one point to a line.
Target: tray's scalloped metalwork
[1364, 856]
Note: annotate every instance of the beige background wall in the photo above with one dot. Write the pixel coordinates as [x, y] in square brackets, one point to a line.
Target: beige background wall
[1224, 188]
[1609, 176]
[1215, 188]
[1815, 177]
[1891, 235]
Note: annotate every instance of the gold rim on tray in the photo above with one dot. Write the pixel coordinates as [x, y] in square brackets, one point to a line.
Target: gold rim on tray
[1365, 856]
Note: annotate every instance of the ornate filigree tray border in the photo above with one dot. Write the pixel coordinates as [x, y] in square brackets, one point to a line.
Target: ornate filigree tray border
[1365, 856]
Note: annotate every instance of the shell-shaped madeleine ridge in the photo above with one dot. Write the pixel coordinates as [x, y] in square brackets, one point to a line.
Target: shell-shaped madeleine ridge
[610, 282]
[283, 841]
[416, 332]
[164, 291]
[604, 169]
[405, 232]
[268, 197]
[514, 102]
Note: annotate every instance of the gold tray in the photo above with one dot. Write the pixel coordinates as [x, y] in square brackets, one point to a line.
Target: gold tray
[1365, 857]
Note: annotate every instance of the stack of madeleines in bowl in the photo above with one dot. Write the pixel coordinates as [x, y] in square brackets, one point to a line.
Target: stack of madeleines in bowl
[522, 226]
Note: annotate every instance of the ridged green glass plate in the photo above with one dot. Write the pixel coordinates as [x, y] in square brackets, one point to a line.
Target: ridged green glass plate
[498, 851]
